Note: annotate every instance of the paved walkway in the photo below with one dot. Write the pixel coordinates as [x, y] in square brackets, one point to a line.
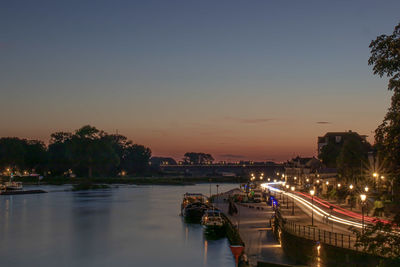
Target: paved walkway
[255, 231]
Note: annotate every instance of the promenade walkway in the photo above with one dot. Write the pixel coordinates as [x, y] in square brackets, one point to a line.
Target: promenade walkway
[254, 229]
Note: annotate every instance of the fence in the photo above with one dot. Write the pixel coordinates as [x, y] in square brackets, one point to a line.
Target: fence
[323, 236]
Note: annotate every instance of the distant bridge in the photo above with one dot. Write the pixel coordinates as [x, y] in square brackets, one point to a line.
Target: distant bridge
[269, 169]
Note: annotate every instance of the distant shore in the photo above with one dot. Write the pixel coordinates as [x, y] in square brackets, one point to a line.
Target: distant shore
[160, 180]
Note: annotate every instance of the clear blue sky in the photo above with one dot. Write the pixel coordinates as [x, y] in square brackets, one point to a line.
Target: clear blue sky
[238, 79]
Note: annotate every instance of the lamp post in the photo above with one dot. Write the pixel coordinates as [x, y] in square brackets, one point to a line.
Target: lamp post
[287, 197]
[376, 181]
[351, 196]
[363, 198]
[209, 180]
[293, 201]
[312, 192]
[217, 192]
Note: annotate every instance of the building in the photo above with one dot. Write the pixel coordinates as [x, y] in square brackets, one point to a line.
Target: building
[338, 138]
[298, 169]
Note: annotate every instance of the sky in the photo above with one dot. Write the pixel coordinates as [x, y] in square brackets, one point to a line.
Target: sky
[256, 80]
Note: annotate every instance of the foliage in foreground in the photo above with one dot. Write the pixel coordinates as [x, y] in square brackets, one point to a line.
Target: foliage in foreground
[385, 59]
[381, 239]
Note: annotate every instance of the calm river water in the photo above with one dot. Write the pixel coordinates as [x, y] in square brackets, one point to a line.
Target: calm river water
[124, 226]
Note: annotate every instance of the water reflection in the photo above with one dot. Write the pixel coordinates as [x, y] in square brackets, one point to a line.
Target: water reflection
[125, 226]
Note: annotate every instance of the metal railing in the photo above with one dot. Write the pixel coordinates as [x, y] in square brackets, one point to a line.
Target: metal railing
[316, 234]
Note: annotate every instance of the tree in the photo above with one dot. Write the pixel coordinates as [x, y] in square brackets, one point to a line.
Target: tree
[12, 153]
[59, 152]
[379, 239]
[197, 158]
[351, 158]
[385, 58]
[136, 158]
[35, 156]
[329, 155]
[91, 152]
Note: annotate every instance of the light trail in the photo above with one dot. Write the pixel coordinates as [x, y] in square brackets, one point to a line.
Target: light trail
[342, 210]
[315, 208]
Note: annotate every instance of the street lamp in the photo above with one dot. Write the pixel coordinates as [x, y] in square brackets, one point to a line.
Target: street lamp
[287, 197]
[366, 189]
[339, 185]
[376, 180]
[292, 201]
[312, 192]
[363, 198]
[351, 196]
[217, 192]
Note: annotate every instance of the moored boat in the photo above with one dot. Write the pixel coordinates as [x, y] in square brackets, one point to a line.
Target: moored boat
[193, 212]
[12, 186]
[189, 198]
[212, 219]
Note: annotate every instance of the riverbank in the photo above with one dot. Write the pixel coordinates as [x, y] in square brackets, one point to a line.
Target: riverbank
[128, 180]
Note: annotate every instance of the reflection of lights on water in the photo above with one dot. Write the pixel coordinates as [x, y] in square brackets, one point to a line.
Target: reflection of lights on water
[272, 246]
[205, 252]
[318, 255]
[279, 235]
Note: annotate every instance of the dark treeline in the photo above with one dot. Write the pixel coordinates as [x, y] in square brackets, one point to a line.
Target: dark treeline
[197, 158]
[86, 152]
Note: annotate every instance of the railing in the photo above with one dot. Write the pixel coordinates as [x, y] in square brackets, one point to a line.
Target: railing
[316, 234]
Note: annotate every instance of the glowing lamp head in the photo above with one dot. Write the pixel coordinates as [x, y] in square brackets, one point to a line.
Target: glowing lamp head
[312, 192]
[375, 174]
[317, 181]
[287, 186]
[351, 187]
[307, 180]
[295, 178]
[366, 189]
[269, 179]
[339, 185]
[327, 182]
[293, 188]
[363, 197]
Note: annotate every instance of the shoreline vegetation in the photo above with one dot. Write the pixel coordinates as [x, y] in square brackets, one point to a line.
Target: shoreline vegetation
[159, 180]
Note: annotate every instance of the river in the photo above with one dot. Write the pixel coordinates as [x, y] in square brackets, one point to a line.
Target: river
[122, 226]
